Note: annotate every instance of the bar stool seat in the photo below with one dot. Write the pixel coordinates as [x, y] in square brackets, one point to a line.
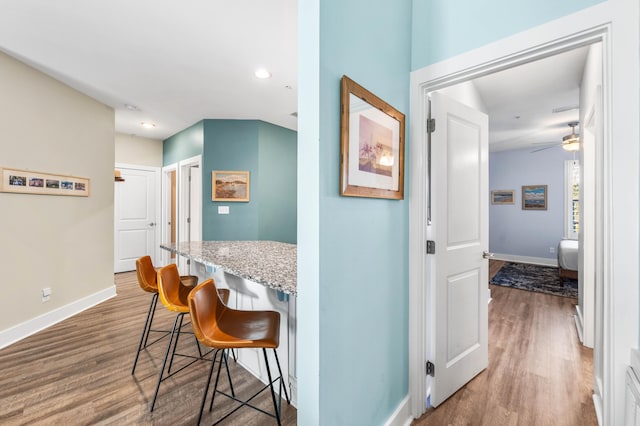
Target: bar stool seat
[147, 280]
[220, 327]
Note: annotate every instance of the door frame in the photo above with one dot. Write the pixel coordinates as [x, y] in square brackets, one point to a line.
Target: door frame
[166, 209]
[582, 28]
[156, 172]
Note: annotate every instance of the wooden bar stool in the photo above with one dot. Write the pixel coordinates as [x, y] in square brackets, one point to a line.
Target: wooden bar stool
[174, 294]
[147, 280]
[221, 327]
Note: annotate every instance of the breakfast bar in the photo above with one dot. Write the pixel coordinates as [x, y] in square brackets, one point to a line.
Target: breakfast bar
[261, 275]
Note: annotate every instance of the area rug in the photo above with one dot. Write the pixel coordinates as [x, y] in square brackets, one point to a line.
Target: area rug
[543, 279]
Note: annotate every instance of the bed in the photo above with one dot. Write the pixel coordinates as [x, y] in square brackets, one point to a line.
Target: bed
[568, 259]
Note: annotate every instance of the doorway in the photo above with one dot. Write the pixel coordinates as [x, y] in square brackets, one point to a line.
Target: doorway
[424, 84]
[136, 207]
[181, 207]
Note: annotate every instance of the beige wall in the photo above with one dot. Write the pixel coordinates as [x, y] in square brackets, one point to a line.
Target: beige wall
[131, 149]
[61, 242]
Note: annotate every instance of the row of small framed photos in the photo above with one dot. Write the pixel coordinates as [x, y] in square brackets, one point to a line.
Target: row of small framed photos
[534, 197]
[30, 182]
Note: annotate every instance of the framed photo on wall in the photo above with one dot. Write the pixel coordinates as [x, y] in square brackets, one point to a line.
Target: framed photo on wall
[500, 196]
[31, 182]
[371, 145]
[230, 186]
[534, 197]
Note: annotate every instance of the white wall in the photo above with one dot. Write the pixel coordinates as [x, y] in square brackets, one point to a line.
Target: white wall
[61, 242]
[467, 94]
[132, 149]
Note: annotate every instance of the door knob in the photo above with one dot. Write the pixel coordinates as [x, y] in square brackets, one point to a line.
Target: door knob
[152, 224]
[487, 255]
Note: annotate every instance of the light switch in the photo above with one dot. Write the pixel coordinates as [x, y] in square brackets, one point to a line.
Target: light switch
[223, 209]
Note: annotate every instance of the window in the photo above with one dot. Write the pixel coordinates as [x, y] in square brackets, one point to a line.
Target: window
[572, 199]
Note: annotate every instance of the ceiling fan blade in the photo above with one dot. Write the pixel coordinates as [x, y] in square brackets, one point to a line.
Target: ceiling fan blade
[542, 149]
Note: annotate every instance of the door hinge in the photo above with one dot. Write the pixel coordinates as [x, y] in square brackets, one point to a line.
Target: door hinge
[431, 369]
[431, 247]
[431, 125]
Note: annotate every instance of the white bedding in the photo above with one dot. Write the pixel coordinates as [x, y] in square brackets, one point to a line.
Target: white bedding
[568, 254]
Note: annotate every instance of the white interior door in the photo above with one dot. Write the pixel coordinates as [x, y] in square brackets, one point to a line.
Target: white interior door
[458, 273]
[135, 216]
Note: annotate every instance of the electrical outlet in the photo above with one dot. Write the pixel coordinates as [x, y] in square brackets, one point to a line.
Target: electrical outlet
[46, 294]
[552, 249]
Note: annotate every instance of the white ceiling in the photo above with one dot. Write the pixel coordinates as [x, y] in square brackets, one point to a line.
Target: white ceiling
[181, 62]
[177, 61]
[531, 92]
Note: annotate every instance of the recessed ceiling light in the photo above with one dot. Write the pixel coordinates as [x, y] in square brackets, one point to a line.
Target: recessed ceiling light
[131, 107]
[262, 73]
[147, 125]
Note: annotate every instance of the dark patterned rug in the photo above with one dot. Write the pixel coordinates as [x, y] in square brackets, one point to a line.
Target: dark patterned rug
[543, 279]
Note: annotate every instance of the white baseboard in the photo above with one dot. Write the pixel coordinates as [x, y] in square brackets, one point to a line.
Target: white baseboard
[526, 259]
[597, 402]
[32, 326]
[579, 323]
[402, 415]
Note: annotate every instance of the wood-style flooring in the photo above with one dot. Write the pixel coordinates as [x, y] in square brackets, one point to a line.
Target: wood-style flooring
[78, 372]
[538, 374]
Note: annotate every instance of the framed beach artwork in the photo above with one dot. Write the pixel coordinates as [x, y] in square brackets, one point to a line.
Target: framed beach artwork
[500, 196]
[534, 197]
[39, 183]
[230, 186]
[371, 145]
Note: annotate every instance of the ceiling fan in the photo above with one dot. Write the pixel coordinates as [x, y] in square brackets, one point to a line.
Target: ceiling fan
[570, 142]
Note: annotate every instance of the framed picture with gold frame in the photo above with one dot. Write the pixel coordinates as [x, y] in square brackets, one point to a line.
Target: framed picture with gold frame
[230, 186]
[371, 144]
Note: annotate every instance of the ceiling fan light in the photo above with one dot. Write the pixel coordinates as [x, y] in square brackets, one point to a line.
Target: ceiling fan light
[571, 146]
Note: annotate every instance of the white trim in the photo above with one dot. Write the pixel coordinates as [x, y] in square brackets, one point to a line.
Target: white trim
[635, 361]
[597, 403]
[543, 261]
[32, 326]
[401, 416]
[579, 323]
[165, 190]
[620, 64]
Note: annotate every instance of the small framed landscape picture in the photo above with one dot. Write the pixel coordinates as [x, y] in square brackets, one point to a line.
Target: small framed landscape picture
[501, 196]
[534, 197]
[230, 186]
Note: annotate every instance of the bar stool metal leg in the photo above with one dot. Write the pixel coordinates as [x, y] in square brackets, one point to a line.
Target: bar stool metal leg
[146, 330]
[166, 355]
[273, 393]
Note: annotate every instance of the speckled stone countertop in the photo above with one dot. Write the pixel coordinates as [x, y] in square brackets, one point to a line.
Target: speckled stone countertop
[270, 263]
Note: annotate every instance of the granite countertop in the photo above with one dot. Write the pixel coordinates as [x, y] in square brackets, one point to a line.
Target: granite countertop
[270, 263]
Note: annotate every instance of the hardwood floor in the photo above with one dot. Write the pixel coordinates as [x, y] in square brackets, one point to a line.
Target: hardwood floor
[79, 372]
[538, 374]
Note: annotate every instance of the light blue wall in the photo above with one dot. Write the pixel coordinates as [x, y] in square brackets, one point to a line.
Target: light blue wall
[185, 144]
[230, 145]
[362, 374]
[520, 232]
[268, 152]
[445, 28]
[277, 183]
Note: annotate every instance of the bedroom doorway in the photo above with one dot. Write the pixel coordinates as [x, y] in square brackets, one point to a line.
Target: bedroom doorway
[463, 77]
